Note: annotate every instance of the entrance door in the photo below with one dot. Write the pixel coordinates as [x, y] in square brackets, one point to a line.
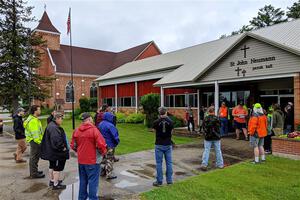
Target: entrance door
[267, 101]
[283, 100]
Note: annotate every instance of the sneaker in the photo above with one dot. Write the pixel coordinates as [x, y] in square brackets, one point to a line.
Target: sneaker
[38, 176]
[111, 177]
[170, 183]
[59, 187]
[51, 183]
[220, 167]
[263, 161]
[40, 172]
[116, 159]
[21, 161]
[203, 168]
[253, 162]
[156, 184]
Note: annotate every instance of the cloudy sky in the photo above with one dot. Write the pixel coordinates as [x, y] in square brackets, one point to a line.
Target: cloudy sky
[115, 25]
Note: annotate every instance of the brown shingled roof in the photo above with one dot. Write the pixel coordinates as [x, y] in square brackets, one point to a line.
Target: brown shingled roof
[91, 61]
[46, 25]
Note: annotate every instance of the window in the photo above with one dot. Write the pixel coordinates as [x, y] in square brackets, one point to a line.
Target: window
[181, 100]
[69, 96]
[169, 101]
[192, 100]
[109, 101]
[93, 90]
[126, 102]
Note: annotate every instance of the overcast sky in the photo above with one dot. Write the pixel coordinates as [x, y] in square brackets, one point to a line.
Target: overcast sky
[116, 25]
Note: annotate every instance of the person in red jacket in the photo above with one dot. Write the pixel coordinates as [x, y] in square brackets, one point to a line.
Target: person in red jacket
[257, 129]
[89, 144]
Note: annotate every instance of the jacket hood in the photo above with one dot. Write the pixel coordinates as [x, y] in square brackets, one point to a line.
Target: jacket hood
[108, 117]
[85, 126]
[28, 119]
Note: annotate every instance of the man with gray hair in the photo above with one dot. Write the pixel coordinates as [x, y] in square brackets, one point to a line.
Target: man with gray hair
[163, 146]
[19, 135]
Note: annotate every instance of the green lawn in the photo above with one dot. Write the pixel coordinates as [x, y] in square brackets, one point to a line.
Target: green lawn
[133, 137]
[278, 178]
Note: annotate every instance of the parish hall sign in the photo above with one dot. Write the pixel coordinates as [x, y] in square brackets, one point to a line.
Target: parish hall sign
[255, 63]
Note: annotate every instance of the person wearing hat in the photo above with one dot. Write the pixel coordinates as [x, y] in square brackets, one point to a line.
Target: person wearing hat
[240, 114]
[54, 148]
[257, 128]
[89, 144]
[19, 135]
[163, 127]
[289, 118]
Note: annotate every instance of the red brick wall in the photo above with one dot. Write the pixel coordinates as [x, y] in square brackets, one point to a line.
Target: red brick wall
[150, 51]
[285, 146]
[125, 110]
[52, 40]
[297, 99]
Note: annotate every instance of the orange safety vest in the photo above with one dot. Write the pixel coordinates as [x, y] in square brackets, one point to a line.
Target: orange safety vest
[258, 124]
[223, 112]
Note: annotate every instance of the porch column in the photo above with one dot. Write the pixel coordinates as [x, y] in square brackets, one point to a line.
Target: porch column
[136, 96]
[198, 105]
[116, 97]
[296, 100]
[162, 96]
[216, 97]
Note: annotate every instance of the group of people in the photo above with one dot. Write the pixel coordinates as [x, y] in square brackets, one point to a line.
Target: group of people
[94, 142]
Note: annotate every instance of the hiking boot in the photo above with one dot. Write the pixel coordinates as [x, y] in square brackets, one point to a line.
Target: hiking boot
[38, 176]
[21, 161]
[40, 172]
[116, 159]
[170, 183]
[156, 184]
[203, 168]
[255, 163]
[111, 177]
[59, 187]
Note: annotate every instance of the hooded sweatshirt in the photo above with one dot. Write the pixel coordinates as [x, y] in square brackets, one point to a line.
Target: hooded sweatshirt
[258, 123]
[109, 131]
[18, 127]
[88, 142]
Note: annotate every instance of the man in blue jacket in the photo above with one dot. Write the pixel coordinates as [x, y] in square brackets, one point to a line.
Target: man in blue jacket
[111, 136]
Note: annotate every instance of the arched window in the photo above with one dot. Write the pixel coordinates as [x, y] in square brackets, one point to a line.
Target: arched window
[93, 90]
[69, 92]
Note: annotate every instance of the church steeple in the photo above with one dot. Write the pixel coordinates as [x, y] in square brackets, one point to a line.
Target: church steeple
[48, 32]
[45, 24]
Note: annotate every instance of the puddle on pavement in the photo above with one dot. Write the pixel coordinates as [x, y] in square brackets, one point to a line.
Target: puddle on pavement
[125, 184]
[180, 173]
[139, 174]
[35, 188]
[145, 172]
[126, 173]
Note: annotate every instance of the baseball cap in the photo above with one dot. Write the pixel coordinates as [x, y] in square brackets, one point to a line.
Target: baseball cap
[85, 115]
[257, 105]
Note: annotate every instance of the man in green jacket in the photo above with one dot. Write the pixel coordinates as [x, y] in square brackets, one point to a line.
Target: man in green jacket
[34, 135]
[277, 120]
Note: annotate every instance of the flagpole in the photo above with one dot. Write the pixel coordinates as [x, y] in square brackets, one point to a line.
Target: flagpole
[72, 79]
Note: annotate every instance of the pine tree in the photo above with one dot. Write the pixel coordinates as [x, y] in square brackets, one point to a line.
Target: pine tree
[19, 56]
[268, 16]
[294, 11]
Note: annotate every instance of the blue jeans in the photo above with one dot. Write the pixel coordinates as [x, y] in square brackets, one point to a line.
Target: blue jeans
[288, 129]
[224, 126]
[88, 177]
[217, 147]
[160, 151]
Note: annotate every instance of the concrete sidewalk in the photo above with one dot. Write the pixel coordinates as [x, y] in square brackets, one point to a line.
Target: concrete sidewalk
[135, 171]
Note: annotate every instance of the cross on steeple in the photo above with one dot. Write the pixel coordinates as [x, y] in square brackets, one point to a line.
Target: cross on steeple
[45, 7]
[238, 69]
[245, 50]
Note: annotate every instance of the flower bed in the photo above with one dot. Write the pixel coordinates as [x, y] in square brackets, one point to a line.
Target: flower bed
[283, 146]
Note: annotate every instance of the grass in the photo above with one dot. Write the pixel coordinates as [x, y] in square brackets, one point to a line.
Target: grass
[133, 137]
[278, 178]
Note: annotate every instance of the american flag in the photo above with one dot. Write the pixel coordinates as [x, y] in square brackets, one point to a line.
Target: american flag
[69, 22]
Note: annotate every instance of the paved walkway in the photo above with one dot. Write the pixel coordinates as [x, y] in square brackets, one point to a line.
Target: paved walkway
[135, 171]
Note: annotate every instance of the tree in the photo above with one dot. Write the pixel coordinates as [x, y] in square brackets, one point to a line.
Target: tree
[20, 51]
[268, 16]
[294, 11]
[150, 103]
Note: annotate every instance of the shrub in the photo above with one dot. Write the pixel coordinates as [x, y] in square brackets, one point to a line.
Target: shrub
[121, 117]
[94, 104]
[46, 111]
[177, 121]
[77, 112]
[84, 104]
[91, 113]
[135, 118]
[150, 103]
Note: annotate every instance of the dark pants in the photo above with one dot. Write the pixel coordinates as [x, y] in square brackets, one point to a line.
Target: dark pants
[224, 126]
[35, 152]
[88, 178]
[268, 143]
[191, 121]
